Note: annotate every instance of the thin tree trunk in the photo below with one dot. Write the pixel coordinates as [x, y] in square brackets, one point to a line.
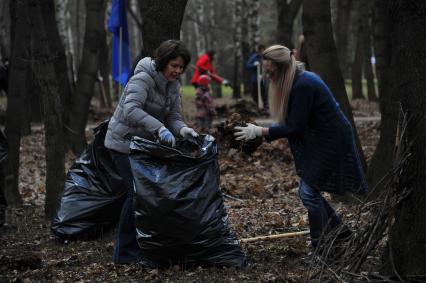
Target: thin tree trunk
[356, 72]
[365, 15]
[18, 90]
[4, 29]
[161, 21]
[87, 74]
[341, 27]
[381, 160]
[43, 66]
[406, 242]
[287, 12]
[57, 48]
[245, 43]
[237, 49]
[198, 29]
[323, 56]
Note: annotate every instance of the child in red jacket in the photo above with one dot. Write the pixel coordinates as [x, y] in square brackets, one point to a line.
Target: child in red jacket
[204, 103]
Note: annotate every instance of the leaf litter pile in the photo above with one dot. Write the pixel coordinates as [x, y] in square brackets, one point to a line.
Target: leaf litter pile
[261, 196]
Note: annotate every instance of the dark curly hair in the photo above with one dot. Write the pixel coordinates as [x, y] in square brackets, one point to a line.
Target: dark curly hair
[169, 50]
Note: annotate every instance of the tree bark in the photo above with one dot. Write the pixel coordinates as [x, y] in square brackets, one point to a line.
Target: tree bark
[341, 27]
[57, 49]
[407, 237]
[323, 56]
[356, 71]
[237, 50]
[4, 29]
[16, 102]
[87, 75]
[43, 66]
[365, 17]
[382, 158]
[287, 12]
[161, 21]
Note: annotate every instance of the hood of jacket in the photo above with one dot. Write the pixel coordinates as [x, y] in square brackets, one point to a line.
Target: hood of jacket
[147, 65]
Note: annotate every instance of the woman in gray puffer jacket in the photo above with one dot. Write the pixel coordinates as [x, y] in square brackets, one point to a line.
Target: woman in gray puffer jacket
[150, 107]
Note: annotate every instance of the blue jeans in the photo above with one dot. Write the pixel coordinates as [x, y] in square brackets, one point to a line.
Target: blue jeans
[322, 217]
[126, 247]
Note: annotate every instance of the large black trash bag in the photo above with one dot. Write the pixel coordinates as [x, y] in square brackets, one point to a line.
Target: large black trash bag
[179, 211]
[93, 193]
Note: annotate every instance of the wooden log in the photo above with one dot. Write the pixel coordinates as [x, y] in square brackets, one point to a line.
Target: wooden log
[278, 236]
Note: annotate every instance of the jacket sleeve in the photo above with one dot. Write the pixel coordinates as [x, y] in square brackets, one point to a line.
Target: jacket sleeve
[299, 112]
[136, 93]
[203, 65]
[174, 120]
[250, 62]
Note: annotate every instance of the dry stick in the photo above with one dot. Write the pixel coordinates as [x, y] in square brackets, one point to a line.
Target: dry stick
[278, 236]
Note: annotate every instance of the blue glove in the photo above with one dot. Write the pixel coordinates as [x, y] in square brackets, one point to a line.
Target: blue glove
[166, 137]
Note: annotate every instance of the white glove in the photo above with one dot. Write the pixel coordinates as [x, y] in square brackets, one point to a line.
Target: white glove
[226, 83]
[187, 132]
[247, 133]
[256, 63]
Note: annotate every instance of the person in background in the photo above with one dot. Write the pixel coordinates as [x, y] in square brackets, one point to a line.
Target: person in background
[204, 66]
[320, 136]
[252, 64]
[150, 107]
[204, 104]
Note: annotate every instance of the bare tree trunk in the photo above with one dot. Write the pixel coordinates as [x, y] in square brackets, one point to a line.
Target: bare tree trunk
[4, 29]
[365, 16]
[87, 74]
[57, 48]
[382, 158]
[237, 49]
[323, 55]
[287, 12]
[161, 21]
[356, 72]
[44, 69]
[198, 29]
[254, 20]
[341, 27]
[18, 90]
[63, 20]
[211, 20]
[245, 44]
[406, 242]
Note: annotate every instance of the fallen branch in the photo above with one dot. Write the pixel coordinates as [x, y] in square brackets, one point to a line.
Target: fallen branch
[278, 236]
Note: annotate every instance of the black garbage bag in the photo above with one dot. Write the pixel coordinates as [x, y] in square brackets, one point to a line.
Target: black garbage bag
[93, 193]
[179, 211]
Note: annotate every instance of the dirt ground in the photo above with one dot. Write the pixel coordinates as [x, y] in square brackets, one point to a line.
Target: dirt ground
[260, 195]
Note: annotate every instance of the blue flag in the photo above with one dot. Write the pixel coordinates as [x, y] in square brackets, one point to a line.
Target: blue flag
[118, 23]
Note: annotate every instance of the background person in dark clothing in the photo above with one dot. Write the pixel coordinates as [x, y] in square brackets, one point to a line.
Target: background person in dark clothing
[252, 64]
[320, 136]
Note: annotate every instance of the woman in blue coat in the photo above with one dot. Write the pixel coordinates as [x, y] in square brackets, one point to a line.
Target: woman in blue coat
[320, 136]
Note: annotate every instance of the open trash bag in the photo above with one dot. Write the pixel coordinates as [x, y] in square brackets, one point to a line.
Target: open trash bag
[93, 193]
[179, 211]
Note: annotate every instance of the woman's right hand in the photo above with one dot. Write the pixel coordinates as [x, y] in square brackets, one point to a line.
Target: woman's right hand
[166, 137]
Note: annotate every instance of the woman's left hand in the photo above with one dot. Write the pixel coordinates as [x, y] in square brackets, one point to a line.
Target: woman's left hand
[187, 132]
[248, 133]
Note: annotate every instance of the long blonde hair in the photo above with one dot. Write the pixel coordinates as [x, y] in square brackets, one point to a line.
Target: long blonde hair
[280, 87]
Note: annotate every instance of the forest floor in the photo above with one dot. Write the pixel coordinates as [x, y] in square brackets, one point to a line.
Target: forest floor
[263, 201]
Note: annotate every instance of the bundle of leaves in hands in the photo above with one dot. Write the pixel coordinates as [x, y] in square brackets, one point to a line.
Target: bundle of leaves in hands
[226, 131]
